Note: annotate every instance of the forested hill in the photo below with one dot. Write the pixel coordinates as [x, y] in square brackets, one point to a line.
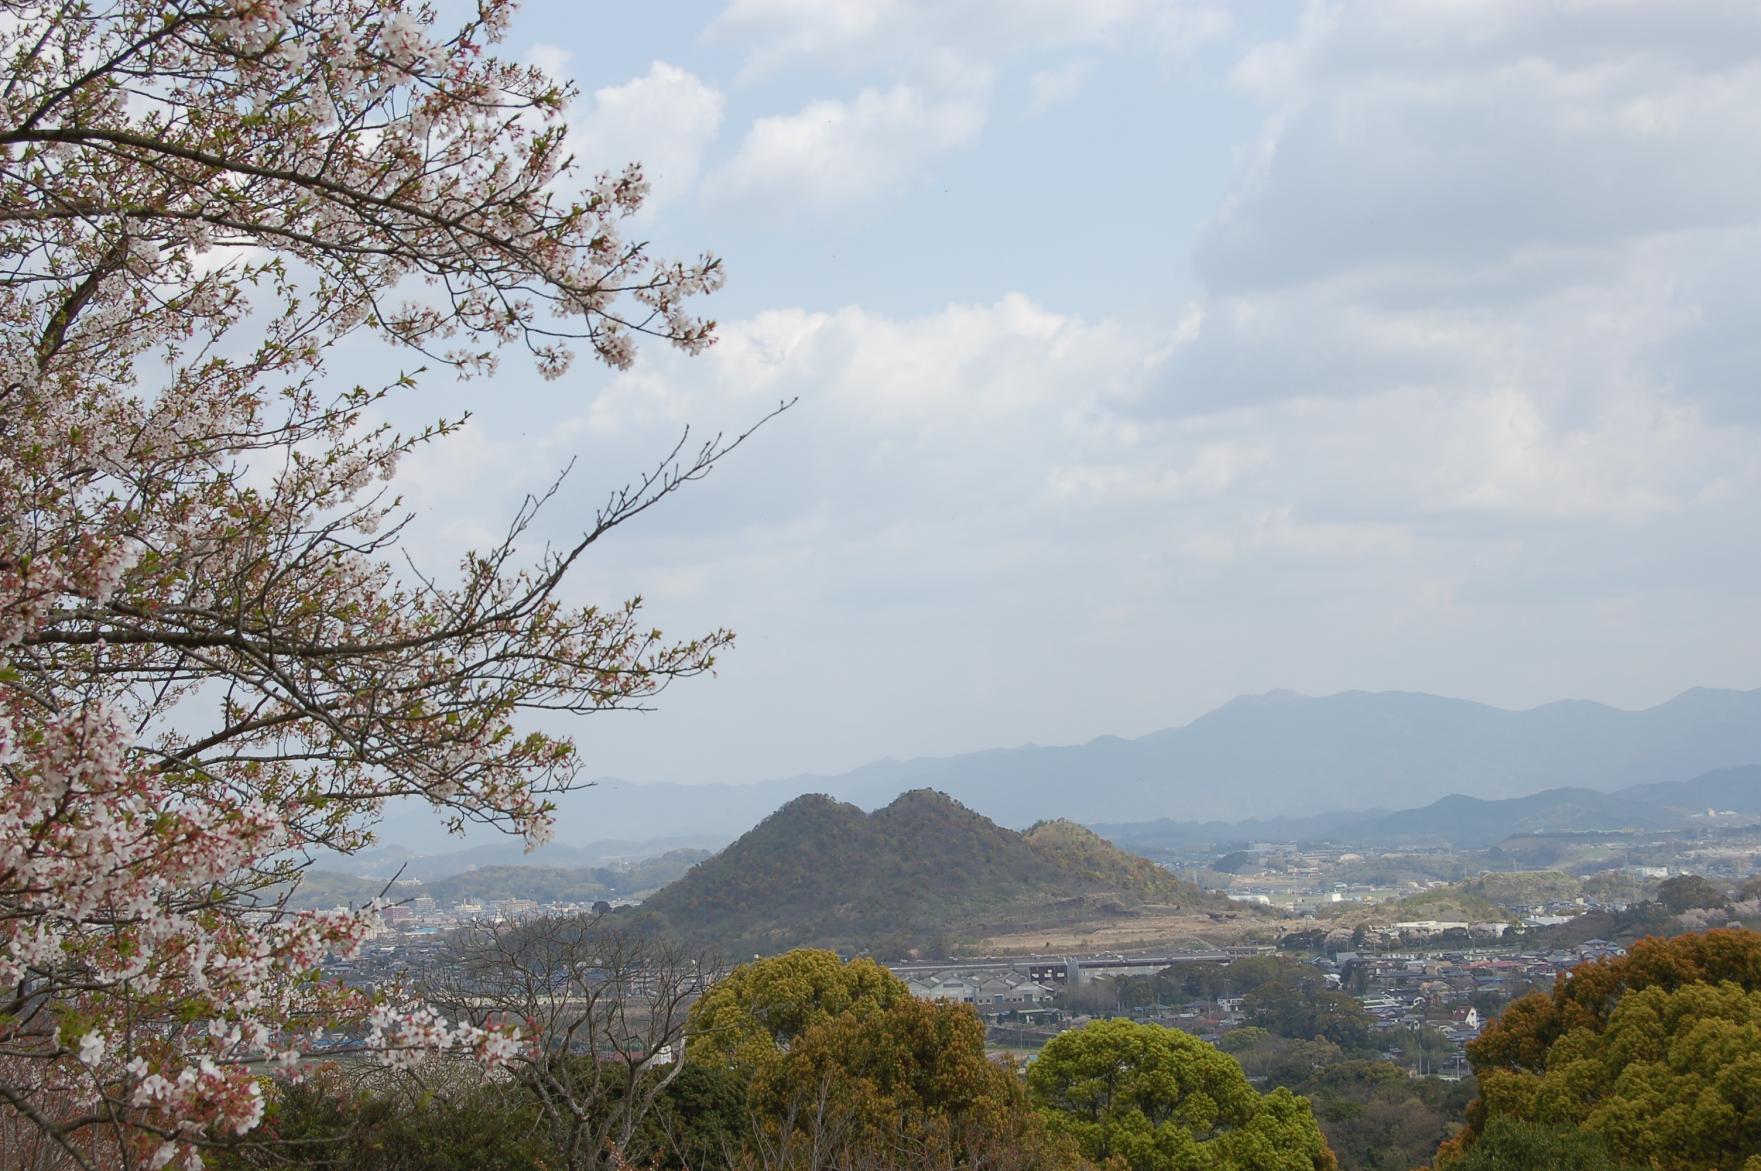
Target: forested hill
[544, 884]
[924, 871]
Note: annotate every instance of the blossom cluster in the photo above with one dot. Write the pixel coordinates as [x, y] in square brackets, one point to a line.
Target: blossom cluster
[212, 665]
[403, 1034]
[107, 869]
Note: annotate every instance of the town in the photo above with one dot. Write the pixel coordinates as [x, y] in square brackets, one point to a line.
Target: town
[1426, 960]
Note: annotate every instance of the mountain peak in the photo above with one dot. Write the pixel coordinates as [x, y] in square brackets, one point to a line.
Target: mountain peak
[922, 871]
[1275, 696]
[917, 799]
[812, 803]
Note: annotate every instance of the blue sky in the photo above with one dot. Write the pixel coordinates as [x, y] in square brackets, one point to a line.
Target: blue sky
[1153, 353]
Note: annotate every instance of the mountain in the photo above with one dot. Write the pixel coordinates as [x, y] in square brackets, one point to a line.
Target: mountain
[403, 862]
[1471, 822]
[546, 884]
[1357, 750]
[1298, 755]
[923, 871]
[1166, 833]
[1733, 790]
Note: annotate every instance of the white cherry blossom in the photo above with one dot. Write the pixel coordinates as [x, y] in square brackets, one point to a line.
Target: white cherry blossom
[213, 661]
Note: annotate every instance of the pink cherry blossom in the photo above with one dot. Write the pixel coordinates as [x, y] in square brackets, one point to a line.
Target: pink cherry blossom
[213, 659]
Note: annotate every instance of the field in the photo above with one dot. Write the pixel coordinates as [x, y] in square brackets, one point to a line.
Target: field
[1175, 931]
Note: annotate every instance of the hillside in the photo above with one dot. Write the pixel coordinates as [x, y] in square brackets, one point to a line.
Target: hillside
[384, 862]
[921, 872]
[544, 884]
[1168, 834]
[1471, 821]
[1448, 903]
[1736, 790]
[1474, 822]
[1524, 888]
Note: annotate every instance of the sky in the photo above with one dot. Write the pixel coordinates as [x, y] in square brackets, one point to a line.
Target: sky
[1152, 353]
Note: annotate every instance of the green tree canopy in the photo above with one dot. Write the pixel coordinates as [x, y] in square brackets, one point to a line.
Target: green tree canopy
[762, 1006]
[1158, 1100]
[1690, 892]
[1657, 1055]
[1271, 1059]
[841, 1058]
[910, 1077]
[1293, 1000]
[1509, 1145]
[325, 1123]
[1377, 1118]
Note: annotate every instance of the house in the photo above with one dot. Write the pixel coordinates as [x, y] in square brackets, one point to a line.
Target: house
[994, 991]
[952, 988]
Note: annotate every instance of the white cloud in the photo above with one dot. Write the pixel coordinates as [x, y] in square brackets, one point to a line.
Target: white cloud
[862, 31]
[957, 372]
[1535, 214]
[835, 153]
[664, 120]
[984, 490]
[1053, 87]
[1455, 135]
[1022, 412]
[1466, 400]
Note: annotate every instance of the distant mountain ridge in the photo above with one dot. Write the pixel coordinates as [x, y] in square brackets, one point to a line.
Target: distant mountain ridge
[1463, 821]
[1471, 822]
[1293, 755]
[923, 871]
[545, 884]
[386, 862]
[1467, 821]
[1737, 790]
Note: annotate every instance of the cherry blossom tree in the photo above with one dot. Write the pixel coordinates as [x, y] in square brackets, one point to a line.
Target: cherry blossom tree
[212, 660]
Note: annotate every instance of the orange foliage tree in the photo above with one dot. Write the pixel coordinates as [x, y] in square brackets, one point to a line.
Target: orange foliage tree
[1657, 1053]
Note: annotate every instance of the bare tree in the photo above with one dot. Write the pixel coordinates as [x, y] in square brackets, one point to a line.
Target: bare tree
[604, 1009]
[814, 1131]
[35, 1134]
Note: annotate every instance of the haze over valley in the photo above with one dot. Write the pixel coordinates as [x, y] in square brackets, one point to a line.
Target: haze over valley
[1299, 756]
